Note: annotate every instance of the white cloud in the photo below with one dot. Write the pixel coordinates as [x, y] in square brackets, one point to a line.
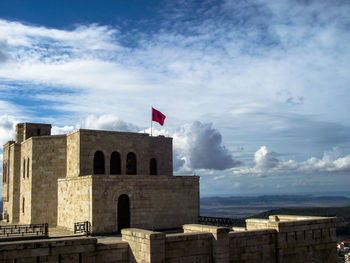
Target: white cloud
[199, 145]
[7, 128]
[108, 122]
[264, 159]
[61, 130]
[267, 165]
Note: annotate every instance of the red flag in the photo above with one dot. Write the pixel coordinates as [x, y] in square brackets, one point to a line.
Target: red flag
[158, 116]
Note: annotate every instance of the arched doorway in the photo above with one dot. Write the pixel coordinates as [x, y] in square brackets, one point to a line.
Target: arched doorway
[123, 212]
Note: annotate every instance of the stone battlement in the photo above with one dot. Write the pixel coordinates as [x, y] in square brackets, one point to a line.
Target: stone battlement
[198, 243]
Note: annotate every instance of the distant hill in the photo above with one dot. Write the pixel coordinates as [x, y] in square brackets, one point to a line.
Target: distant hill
[342, 213]
[264, 206]
[268, 199]
[245, 206]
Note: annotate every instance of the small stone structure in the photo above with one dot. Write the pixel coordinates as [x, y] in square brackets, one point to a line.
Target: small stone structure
[111, 179]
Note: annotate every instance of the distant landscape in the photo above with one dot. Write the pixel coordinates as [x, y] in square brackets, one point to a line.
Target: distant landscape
[263, 206]
[242, 206]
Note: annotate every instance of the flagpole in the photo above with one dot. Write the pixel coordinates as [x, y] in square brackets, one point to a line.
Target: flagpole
[151, 120]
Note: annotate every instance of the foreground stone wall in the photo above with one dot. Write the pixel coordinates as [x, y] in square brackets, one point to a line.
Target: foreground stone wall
[301, 238]
[253, 246]
[219, 244]
[188, 247]
[63, 250]
[156, 202]
[198, 243]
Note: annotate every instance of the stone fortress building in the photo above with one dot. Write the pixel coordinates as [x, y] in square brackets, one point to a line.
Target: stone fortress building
[111, 179]
[120, 181]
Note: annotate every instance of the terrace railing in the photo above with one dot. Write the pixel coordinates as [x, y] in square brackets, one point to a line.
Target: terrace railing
[35, 230]
[221, 221]
[82, 227]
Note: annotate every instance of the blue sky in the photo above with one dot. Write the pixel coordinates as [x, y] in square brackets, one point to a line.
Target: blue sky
[256, 93]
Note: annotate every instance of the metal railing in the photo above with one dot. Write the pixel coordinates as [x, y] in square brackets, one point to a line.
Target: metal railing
[37, 230]
[82, 227]
[221, 221]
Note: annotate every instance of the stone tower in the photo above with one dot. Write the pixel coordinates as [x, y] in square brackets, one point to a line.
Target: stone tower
[111, 179]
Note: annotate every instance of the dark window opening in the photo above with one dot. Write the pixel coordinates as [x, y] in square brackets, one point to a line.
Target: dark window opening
[4, 172]
[23, 203]
[38, 131]
[24, 168]
[131, 163]
[115, 163]
[153, 167]
[28, 168]
[99, 163]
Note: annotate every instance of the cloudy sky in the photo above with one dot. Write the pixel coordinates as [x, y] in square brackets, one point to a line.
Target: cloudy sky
[256, 92]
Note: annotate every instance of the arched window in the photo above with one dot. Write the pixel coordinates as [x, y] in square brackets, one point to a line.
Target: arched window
[115, 163]
[24, 168]
[153, 167]
[99, 163]
[28, 168]
[131, 163]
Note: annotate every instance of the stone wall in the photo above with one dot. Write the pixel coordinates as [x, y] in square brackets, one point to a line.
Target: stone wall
[48, 164]
[253, 246]
[11, 189]
[301, 238]
[285, 239]
[6, 162]
[73, 154]
[112, 253]
[6, 182]
[74, 201]
[306, 238]
[26, 184]
[199, 243]
[64, 250]
[188, 248]
[156, 202]
[143, 146]
[145, 246]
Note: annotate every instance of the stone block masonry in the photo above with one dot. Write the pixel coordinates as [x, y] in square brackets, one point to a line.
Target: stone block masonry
[112, 179]
[198, 243]
[156, 202]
